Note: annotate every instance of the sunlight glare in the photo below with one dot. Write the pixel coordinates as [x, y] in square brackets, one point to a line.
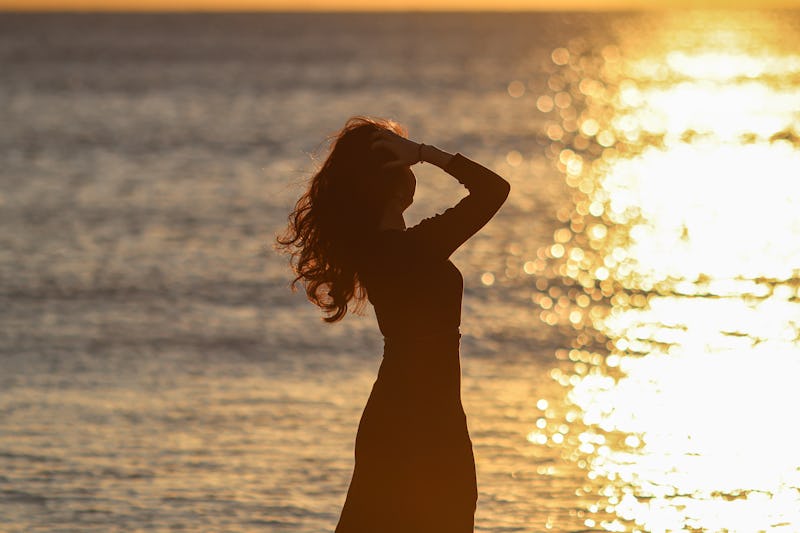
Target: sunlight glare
[681, 262]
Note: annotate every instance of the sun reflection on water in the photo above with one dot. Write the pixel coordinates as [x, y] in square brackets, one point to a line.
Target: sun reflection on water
[678, 267]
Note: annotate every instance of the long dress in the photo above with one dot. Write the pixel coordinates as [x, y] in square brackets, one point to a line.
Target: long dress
[414, 468]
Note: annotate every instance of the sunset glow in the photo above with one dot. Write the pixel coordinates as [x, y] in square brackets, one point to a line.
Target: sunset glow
[388, 5]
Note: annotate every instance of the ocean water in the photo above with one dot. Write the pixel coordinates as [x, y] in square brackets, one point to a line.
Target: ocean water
[630, 316]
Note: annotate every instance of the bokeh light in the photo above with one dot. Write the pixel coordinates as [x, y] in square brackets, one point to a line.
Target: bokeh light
[678, 268]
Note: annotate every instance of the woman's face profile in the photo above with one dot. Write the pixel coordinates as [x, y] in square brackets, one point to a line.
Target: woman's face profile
[406, 185]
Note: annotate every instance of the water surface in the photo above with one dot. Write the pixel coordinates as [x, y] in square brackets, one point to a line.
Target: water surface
[631, 315]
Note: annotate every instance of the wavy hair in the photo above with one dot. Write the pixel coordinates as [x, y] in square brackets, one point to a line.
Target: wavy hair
[330, 222]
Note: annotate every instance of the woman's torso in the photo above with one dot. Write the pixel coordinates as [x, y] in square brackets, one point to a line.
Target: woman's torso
[413, 295]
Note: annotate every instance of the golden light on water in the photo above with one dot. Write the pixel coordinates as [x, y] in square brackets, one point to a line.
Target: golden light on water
[678, 268]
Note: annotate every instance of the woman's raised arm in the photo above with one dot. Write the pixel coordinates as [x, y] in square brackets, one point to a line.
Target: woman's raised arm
[442, 234]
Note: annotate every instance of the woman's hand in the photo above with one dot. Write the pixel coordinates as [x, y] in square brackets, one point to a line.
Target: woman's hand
[405, 151]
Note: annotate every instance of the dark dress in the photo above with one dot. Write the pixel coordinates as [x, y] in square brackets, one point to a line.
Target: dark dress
[414, 468]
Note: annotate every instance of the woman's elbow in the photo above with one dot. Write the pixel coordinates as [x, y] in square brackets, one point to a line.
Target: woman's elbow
[503, 190]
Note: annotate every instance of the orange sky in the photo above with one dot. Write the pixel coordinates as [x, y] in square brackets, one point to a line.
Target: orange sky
[371, 5]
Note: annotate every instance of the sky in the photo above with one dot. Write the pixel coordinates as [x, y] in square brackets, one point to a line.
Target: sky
[372, 5]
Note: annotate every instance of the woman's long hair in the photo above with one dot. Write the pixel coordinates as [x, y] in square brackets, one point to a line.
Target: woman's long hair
[330, 222]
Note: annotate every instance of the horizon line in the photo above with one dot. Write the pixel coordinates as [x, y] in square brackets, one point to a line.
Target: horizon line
[392, 10]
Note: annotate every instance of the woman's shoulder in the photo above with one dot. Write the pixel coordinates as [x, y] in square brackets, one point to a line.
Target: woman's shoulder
[384, 237]
[389, 247]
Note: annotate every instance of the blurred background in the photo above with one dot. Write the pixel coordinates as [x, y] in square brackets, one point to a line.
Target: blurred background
[631, 316]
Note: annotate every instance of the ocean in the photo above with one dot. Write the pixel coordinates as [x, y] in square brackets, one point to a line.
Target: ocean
[631, 321]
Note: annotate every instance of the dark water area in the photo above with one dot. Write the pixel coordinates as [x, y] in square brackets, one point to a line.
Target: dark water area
[132, 137]
[157, 373]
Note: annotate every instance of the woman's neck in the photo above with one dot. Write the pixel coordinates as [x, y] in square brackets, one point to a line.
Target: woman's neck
[392, 220]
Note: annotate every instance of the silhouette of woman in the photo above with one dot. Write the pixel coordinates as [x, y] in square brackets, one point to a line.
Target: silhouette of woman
[414, 467]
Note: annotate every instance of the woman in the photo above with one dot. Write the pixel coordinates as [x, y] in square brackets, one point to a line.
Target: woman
[414, 468]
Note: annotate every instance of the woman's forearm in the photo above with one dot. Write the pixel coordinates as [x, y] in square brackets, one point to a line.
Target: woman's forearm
[473, 176]
[431, 154]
